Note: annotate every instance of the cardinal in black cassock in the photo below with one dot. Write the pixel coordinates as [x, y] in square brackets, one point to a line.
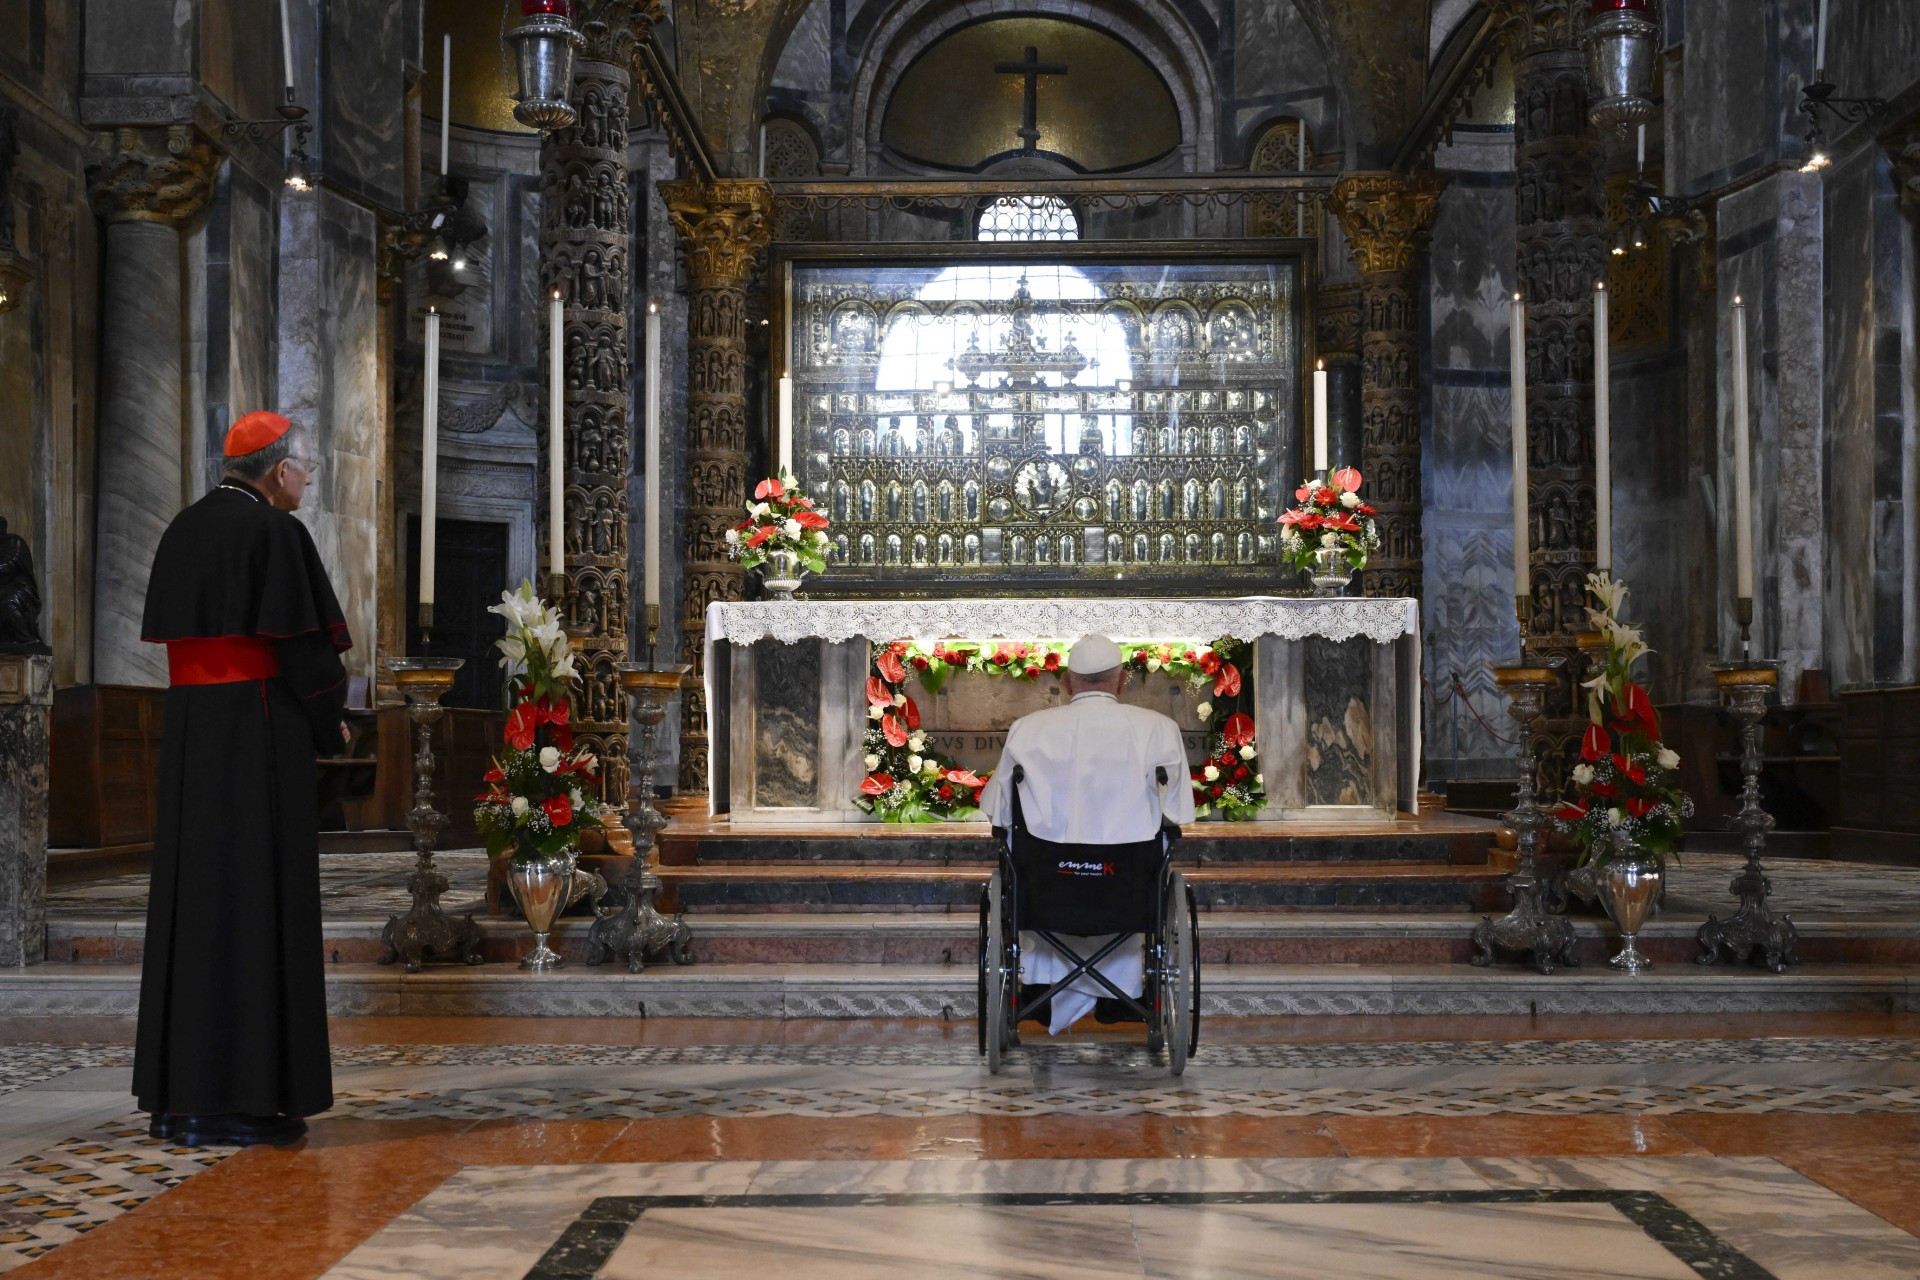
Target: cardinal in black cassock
[232, 1040]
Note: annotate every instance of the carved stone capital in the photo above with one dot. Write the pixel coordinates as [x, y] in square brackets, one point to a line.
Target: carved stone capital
[1540, 26]
[151, 175]
[614, 27]
[1903, 148]
[725, 224]
[1386, 217]
[1337, 323]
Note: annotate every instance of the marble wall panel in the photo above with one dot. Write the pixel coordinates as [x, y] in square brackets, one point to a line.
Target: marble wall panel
[1716, 130]
[786, 723]
[1849, 384]
[139, 37]
[362, 136]
[1338, 683]
[1660, 531]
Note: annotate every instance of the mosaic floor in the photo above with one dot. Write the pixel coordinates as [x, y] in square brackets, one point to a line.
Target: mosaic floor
[373, 885]
[1738, 1147]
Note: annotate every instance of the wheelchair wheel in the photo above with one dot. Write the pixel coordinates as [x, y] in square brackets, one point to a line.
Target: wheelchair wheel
[1177, 977]
[1193, 1012]
[980, 970]
[994, 980]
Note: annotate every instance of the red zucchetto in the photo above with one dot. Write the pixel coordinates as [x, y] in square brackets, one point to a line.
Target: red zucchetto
[254, 432]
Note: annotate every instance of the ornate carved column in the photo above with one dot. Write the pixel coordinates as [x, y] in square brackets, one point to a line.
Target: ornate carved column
[1337, 341]
[586, 254]
[147, 184]
[1560, 210]
[1386, 217]
[725, 224]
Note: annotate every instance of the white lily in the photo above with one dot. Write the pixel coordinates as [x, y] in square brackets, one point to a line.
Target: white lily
[513, 647]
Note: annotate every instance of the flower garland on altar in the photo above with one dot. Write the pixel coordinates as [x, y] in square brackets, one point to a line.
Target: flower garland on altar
[1626, 778]
[780, 518]
[536, 799]
[907, 781]
[1331, 516]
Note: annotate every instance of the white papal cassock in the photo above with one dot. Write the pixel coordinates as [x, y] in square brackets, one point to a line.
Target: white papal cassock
[1091, 778]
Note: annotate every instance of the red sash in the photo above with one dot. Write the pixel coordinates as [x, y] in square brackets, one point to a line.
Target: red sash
[221, 661]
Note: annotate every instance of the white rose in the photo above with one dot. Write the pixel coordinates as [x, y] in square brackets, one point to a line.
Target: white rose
[1668, 758]
[931, 768]
[579, 801]
[899, 699]
[1615, 818]
[1246, 752]
[1349, 500]
[549, 758]
[875, 712]
[1583, 774]
[1330, 540]
[519, 806]
[917, 742]
[914, 763]
[1260, 778]
[733, 536]
[1210, 773]
[791, 528]
[1153, 664]
[1204, 711]
[872, 762]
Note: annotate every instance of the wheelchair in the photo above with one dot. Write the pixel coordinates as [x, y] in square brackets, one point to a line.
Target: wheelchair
[1048, 889]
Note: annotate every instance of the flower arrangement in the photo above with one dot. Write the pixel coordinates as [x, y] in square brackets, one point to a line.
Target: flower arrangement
[537, 796]
[1331, 517]
[1625, 780]
[780, 518]
[906, 780]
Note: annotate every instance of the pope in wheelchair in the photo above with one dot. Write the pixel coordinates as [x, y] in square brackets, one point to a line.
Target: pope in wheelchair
[1085, 905]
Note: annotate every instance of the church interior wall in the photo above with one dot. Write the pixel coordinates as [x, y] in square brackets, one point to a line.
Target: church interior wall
[1282, 72]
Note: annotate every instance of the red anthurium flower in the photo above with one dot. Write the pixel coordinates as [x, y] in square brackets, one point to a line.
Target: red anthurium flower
[964, 778]
[763, 533]
[1594, 744]
[895, 731]
[560, 712]
[878, 695]
[1571, 812]
[1294, 516]
[1300, 494]
[493, 775]
[744, 525]
[913, 714]
[1346, 479]
[1227, 683]
[1639, 807]
[768, 488]
[562, 737]
[1638, 709]
[1238, 730]
[559, 810]
[803, 502]
[1344, 523]
[889, 667]
[877, 784]
[520, 727]
[1605, 790]
[811, 519]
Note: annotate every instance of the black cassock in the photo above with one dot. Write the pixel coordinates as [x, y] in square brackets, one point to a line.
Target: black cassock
[233, 1014]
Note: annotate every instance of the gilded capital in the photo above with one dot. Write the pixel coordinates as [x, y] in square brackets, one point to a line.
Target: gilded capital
[613, 27]
[1386, 217]
[724, 223]
[151, 175]
[1539, 26]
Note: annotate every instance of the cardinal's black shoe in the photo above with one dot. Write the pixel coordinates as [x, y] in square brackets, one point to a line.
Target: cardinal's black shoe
[163, 1125]
[238, 1130]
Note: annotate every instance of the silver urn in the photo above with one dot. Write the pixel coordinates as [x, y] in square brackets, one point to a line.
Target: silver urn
[1633, 879]
[1331, 572]
[543, 884]
[780, 574]
[543, 45]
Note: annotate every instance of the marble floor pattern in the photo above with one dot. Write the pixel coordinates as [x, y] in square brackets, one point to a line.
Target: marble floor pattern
[1740, 1147]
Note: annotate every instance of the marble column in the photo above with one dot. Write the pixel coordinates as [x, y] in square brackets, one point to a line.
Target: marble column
[1386, 217]
[147, 184]
[586, 251]
[26, 701]
[1560, 226]
[724, 225]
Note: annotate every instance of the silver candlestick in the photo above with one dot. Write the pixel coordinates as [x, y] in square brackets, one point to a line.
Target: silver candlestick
[426, 931]
[1529, 926]
[1753, 927]
[630, 925]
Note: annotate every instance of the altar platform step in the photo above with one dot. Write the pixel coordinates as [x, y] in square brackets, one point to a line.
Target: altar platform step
[918, 991]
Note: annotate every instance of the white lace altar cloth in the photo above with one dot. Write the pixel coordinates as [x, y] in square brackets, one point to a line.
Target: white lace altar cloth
[1381, 620]
[1246, 618]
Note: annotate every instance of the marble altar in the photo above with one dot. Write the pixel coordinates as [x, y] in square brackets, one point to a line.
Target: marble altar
[1336, 694]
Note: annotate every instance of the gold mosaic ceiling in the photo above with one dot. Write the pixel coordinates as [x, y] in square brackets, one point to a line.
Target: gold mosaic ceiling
[483, 78]
[951, 109]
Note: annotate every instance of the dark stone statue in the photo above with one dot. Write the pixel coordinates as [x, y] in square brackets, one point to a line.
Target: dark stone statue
[19, 596]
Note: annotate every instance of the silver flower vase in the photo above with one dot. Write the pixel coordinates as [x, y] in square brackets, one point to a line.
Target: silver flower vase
[1633, 880]
[543, 884]
[780, 574]
[1331, 573]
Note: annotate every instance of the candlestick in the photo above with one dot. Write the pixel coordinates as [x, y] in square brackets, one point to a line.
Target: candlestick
[429, 462]
[1602, 435]
[1320, 416]
[446, 95]
[784, 459]
[1522, 553]
[1742, 462]
[1820, 45]
[556, 439]
[652, 446]
[286, 42]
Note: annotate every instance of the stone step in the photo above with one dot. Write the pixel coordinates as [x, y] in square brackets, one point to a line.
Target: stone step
[918, 991]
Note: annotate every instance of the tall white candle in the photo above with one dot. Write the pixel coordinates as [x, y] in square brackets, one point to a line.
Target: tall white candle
[652, 447]
[1320, 416]
[430, 458]
[1820, 44]
[1742, 461]
[1602, 436]
[556, 437]
[1643, 149]
[446, 95]
[286, 41]
[784, 458]
[763, 148]
[1522, 551]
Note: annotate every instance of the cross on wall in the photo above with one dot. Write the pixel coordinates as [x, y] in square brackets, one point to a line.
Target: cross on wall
[1031, 69]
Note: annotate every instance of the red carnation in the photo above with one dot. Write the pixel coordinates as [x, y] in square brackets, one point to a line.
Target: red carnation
[877, 784]
[1053, 662]
[1031, 672]
[1227, 760]
[890, 669]
[559, 810]
[769, 488]
[895, 731]
[1227, 683]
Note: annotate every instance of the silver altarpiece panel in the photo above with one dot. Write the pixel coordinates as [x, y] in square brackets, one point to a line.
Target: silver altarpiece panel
[1028, 425]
